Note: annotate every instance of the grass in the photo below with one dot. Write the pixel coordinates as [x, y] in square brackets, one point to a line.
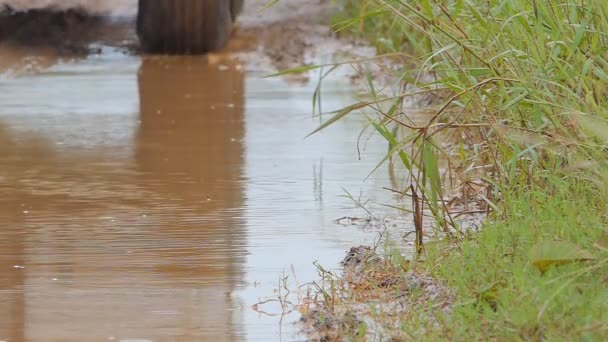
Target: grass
[521, 116]
[503, 296]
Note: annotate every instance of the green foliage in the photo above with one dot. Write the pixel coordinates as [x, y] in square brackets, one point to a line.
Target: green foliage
[502, 295]
[522, 93]
[547, 254]
[527, 85]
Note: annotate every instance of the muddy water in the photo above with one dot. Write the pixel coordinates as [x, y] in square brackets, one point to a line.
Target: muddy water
[159, 199]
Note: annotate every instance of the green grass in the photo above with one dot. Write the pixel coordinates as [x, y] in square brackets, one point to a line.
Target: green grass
[527, 118]
[502, 296]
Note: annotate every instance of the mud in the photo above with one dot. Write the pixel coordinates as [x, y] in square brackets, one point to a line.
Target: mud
[114, 8]
[67, 31]
[294, 33]
[70, 32]
[371, 300]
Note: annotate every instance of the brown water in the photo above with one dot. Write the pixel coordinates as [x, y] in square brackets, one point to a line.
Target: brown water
[158, 199]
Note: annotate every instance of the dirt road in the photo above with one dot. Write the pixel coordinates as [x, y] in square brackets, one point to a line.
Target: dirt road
[289, 34]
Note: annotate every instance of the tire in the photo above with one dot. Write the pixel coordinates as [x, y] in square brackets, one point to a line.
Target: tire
[185, 26]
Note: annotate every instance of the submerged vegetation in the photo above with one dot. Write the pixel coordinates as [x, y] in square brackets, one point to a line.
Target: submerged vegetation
[518, 128]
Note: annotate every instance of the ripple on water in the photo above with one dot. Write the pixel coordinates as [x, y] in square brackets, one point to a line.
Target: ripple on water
[141, 214]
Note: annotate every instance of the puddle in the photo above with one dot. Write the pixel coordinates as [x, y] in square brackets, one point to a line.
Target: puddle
[160, 198]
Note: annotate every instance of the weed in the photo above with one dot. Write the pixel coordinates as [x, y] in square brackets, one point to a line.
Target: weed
[518, 125]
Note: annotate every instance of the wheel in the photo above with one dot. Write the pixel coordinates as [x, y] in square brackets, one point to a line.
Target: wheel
[185, 26]
[236, 7]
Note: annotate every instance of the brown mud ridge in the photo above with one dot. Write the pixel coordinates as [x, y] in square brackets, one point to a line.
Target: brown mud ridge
[69, 31]
[373, 297]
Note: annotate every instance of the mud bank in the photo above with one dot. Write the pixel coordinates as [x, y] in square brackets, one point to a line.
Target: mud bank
[94, 7]
[294, 33]
[372, 299]
[68, 31]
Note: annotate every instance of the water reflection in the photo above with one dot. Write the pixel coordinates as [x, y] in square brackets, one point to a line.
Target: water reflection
[189, 151]
[189, 142]
[124, 234]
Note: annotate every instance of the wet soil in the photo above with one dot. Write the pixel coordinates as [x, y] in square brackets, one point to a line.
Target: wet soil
[71, 32]
[294, 33]
[68, 31]
[372, 298]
